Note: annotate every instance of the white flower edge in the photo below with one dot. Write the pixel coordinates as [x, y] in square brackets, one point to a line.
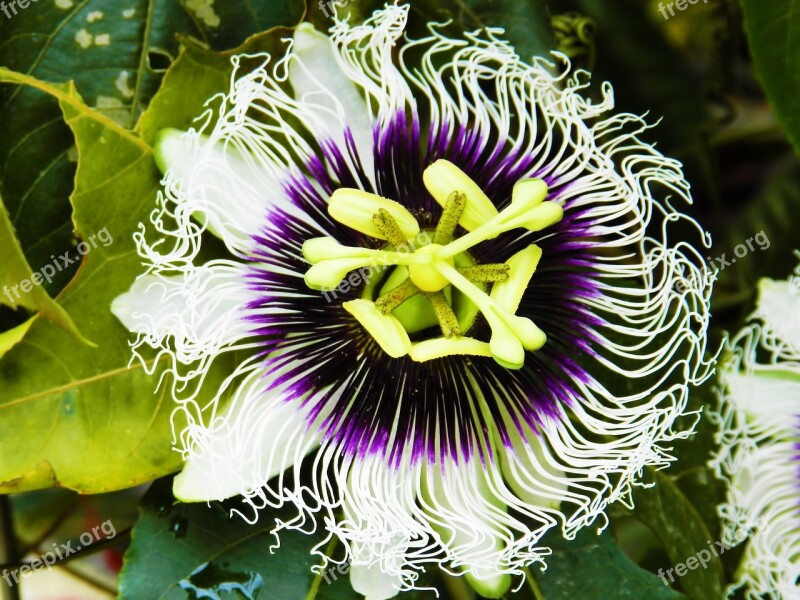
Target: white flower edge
[759, 456]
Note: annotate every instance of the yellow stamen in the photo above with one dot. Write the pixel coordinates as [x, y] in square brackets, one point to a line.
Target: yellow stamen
[386, 329]
[431, 268]
[441, 347]
[442, 178]
[522, 266]
[535, 216]
[356, 209]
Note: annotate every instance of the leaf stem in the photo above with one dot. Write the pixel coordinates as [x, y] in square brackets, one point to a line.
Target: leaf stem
[76, 103]
[317, 581]
[533, 585]
[8, 545]
[458, 587]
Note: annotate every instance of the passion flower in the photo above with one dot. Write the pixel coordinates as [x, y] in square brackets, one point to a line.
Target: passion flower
[453, 283]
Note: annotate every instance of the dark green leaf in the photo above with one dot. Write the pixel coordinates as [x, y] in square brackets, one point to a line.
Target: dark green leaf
[648, 74]
[87, 400]
[171, 542]
[206, 74]
[593, 566]
[90, 394]
[690, 471]
[772, 30]
[526, 24]
[682, 533]
[115, 54]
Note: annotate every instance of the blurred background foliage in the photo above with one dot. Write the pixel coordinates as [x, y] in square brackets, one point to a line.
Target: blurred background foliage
[694, 74]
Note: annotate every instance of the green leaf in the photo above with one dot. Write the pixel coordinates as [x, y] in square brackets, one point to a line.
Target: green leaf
[91, 395]
[772, 31]
[12, 337]
[19, 286]
[682, 533]
[171, 542]
[196, 69]
[71, 415]
[116, 54]
[526, 24]
[38, 154]
[206, 74]
[593, 566]
[690, 471]
[241, 19]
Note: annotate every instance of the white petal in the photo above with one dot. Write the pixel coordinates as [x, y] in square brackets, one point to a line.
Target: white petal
[199, 312]
[769, 397]
[373, 583]
[222, 187]
[466, 511]
[531, 471]
[319, 84]
[377, 511]
[761, 510]
[779, 307]
[259, 435]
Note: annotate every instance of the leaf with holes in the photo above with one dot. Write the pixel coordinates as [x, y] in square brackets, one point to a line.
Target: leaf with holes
[181, 549]
[63, 402]
[116, 54]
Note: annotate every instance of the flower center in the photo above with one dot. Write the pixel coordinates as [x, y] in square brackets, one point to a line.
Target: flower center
[435, 281]
[429, 278]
